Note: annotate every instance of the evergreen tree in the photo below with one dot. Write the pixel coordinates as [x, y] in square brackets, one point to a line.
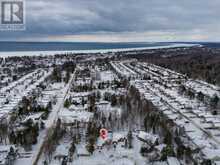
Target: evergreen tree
[167, 151]
[67, 103]
[214, 101]
[67, 78]
[130, 138]
[90, 146]
[201, 96]
[113, 100]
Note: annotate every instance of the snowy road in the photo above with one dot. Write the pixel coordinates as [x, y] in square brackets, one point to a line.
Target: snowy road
[52, 120]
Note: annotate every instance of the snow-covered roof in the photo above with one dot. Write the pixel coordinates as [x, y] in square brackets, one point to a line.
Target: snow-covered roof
[213, 154]
[72, 116]
[147, 137]
[107, 76]
[172, 161]
[34, 117]
[79, 107]
[118, 135]
[81, 150]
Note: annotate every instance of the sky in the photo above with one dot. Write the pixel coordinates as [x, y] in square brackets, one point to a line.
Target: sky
[119, 21]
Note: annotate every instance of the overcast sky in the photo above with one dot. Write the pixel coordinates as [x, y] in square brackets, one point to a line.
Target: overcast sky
[119, 20]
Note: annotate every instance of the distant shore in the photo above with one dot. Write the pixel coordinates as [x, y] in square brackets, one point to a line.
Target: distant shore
[47, 53]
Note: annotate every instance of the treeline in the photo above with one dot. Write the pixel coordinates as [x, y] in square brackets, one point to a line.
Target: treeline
[197, 62]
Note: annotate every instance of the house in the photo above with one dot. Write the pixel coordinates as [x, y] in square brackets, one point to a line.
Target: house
[147, 138]
[73, 117]
[61, 153]
[212, 154]
[78, 108]
[34, 117]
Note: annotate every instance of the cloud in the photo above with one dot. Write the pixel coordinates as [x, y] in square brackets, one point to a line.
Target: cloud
[177, 20]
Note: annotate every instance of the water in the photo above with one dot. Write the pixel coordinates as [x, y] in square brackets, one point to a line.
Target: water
[65, 46]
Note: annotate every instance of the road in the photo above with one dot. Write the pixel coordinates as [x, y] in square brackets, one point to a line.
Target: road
[53, 117]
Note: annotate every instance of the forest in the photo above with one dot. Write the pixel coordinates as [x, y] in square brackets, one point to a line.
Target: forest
[196, 62]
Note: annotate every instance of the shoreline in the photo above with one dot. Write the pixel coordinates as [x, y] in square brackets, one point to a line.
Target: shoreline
[50, 53]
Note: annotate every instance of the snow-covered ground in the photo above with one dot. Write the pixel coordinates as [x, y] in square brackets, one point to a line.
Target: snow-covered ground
[201, 127]
[194, 120]
[114, 156]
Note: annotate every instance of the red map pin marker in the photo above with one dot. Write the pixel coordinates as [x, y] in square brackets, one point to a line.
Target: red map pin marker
[103, 133]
